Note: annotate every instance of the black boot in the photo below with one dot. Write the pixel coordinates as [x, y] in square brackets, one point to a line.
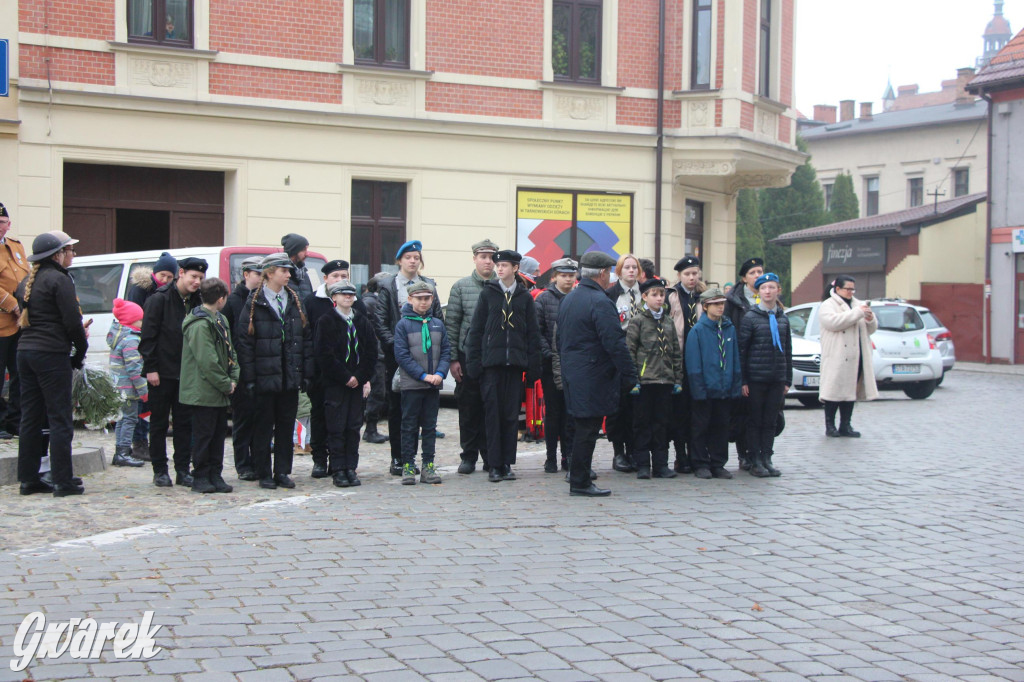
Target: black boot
[845, 415]
[757, 466]
[319, 470]
[123, 457]
[371, 435]
[772, 471]
[830, 419]
[623, 463]
[551, 464]
[396, 468]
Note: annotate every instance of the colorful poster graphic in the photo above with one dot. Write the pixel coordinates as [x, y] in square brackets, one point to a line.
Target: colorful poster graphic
[546, 229]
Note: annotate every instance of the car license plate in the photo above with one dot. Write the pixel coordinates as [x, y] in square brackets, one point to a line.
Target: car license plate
[812, 381]
[906, 369]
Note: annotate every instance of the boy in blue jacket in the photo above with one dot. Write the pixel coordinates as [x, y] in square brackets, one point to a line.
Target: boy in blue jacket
[422, 352]
[716, 379]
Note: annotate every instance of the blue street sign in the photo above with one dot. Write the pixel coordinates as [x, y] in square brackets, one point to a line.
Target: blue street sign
[5, 67]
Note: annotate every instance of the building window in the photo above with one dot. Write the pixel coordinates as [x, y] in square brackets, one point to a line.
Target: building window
[961, 182]
[700, 49]
[165, 22]
[871, 196]
[915, 188]
[694, 228]
[381, 32]
[378, 227]
[576, 40]
[765, 67]
[828, 195]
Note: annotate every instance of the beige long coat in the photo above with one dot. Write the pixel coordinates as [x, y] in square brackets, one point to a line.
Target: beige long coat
[845, 342]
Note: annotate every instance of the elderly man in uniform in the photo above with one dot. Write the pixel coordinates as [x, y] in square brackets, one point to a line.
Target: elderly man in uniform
[595, 364]
[457, 317]
[14, 267]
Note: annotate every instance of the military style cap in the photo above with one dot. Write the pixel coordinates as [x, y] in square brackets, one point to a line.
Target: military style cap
[253, 263]
[653, 283]
[3, 212]
[713, 295]
[507, 256]
[597, 259]
[751, 263]
[418, 289]
[276, 260]
[342, 287]
[334, 265]
[565, 265]
[687, 262]
[485, 246]
[193, 263]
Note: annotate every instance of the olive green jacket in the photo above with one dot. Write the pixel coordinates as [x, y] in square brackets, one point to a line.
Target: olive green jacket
[654, 347]
[208, 362]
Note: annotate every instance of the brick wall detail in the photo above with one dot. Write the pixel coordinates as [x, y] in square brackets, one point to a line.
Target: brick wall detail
[264, 83]
[80, 18]
[296, 29]
[69, 66]
[452, 98]
[486, 38]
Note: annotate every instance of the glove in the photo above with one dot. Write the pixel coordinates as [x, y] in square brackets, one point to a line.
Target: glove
[677, 389]
[635, 390]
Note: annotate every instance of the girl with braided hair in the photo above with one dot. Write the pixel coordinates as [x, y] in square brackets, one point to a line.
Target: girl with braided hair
[275, 355]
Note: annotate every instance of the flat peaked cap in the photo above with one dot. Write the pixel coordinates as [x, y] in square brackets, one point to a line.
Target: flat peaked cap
[485, 245]
[597, 259]
[687, 262]
[507, 256]
[419, 288]
[193, 263]
[565, 265]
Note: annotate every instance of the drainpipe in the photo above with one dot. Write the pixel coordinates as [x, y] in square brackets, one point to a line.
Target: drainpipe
[660, 149]
[987, 308]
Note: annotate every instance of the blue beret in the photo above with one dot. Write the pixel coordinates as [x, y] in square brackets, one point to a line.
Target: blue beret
[766, 277]
[414, 245]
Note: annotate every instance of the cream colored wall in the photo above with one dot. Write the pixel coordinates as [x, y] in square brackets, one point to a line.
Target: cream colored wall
[905, 279]
[954, 251]
[803, 258]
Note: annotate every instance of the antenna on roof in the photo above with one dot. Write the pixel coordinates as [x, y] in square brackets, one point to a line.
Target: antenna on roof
[936, 193]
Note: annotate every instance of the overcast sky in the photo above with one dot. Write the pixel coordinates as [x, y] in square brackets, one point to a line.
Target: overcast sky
[849, 50]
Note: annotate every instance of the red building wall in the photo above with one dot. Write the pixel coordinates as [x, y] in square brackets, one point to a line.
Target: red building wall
[485, 38]
[297, 29]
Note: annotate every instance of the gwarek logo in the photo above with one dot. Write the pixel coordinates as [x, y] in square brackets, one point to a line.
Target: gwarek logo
[82, 638]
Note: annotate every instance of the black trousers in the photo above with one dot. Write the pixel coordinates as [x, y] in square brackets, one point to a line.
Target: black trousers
[620, 425]
[10, 411]
[652, 414]
[163, 404]
[558, 425]
[710, 433]
[45, 396]
[681, 426]
[275, 419]
[243, 420]
[583, 444]
[343, 409]
[419, 413]
[318, 422]
[209, 429]
[765, 403]
[501, 389]
[376, 407]
[471, 419]
[394, 403]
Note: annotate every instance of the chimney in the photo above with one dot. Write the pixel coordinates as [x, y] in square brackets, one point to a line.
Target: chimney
[846, 110]
[963, 77]
[824, 113]
[906, 90]
[865, 111]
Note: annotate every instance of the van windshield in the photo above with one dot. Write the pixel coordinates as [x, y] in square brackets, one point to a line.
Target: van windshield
[96, 286]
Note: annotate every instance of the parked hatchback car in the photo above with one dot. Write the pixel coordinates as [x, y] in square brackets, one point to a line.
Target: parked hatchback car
[942, 336]
[905, 356]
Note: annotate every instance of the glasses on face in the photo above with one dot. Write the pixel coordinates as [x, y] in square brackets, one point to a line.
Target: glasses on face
[70, 250]
[850, 289]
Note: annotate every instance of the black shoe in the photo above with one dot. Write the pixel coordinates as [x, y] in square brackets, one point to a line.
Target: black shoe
[621, 463]
[772, 471]
[744, 464]
[247, 475]
[341, 479]
[202, 485]
[703, 472]
[62, 490]
[664, 472]
[47, 479]
[183, 478]
[140, 450]
[467, 467]
[269, 483]
[396, 468]
[284, 481]
[846, 431]
[353, 480]
[509, 475]
[757, 469]
[123, 458]
[550, 465]
[162, 480]
[682, 466]
[374, 437]
[643, 473]
[565, 464]
[831, 431]
[319, 471]
[494, 475]
[593, 475]
[220, 485]
[592, 491]
[4, 435]
[35, 487]
[720, 472]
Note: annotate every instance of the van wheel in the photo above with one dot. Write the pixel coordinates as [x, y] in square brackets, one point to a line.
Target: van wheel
[809, 401]
[920, 390]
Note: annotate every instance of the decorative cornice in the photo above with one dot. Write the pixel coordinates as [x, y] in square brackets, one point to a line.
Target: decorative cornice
[703, 167]
[758, 180]
[163, 51]
[385, 72]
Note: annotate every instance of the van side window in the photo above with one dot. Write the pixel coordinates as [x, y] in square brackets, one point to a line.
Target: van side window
[131, 271]
[97, 287]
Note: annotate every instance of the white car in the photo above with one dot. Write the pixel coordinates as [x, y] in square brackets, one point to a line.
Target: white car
[806, 370]
[943, 338]
[905, 356]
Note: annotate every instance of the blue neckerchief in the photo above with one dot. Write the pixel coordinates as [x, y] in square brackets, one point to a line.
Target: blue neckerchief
[774, 324]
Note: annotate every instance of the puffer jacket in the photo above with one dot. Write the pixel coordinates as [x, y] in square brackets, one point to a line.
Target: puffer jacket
[275, 356]
[547, 303]
[458, 315]
[55, 319]
[497, 339]
[233, 308]
[413, 362]
[761, 361]
[736, 304]
[161, 340]
[709, 380]
[654, 348]
[126, 360]
[208, 362]
[331, 345]
[142, 286]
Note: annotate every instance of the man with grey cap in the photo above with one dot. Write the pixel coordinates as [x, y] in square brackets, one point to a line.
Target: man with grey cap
[557, 423]
[595, 364]
[461, 304]
[243, 412]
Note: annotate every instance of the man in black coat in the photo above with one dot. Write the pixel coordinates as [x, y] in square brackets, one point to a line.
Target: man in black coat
[376, 407]
[295, 245]
[742, 298]
[243, 411]
[595, 364]
[557, 423]
[160, 345]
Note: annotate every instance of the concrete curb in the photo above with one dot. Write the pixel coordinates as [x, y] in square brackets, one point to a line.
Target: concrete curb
[982, 368]
[84, 461]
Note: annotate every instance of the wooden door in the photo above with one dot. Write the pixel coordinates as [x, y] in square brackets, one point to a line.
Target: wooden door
[92, 227]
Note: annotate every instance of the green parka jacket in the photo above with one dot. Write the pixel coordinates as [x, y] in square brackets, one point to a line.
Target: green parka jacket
[654, 346]
[208, 362]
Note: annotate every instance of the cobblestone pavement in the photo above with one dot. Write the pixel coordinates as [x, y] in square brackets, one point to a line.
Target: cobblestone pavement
[895, 557]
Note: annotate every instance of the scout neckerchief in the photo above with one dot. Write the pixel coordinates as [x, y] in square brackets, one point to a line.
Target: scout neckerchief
[662, 340]
[506, 308]
[353, 337]
[424, 331]
[225, 337]
[632, 302]
[721, 344]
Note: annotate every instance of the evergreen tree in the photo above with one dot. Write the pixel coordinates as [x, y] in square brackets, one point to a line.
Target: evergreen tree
[845, 205]
[796, 207]
[749, 235]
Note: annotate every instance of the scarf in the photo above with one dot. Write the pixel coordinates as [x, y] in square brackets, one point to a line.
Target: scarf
[773, 324]
[721, 344]
[424, 331]
[224, 334]
[506, 311]
[353, 336]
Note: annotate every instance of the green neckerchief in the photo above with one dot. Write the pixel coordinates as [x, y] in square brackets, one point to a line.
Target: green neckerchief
[424, 331]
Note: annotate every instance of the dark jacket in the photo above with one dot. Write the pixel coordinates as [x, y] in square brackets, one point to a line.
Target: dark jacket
[736, 304]
[276, 356]
[614, 292]
[371, 302]
[388, 313]
[595, 363]
[709, 380]
[504, 338]
[331, 345]
[547, 304]
[413, 362]
[300, 282]
[55, 319]
[761, 361]
[233, 308]
[317, 306]
[142, 286]
[208, 362]
[654, 347]
[458, 315]
[161, 330]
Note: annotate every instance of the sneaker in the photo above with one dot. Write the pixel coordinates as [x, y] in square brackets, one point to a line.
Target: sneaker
[703, 472]
[720, 472]
[396, 468]
[408, 474]
[429, 474]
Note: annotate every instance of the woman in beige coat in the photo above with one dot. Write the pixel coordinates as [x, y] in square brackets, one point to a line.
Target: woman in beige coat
[847, 371]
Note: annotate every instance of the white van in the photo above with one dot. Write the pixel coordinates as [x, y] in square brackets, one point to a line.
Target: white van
[101, 279]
